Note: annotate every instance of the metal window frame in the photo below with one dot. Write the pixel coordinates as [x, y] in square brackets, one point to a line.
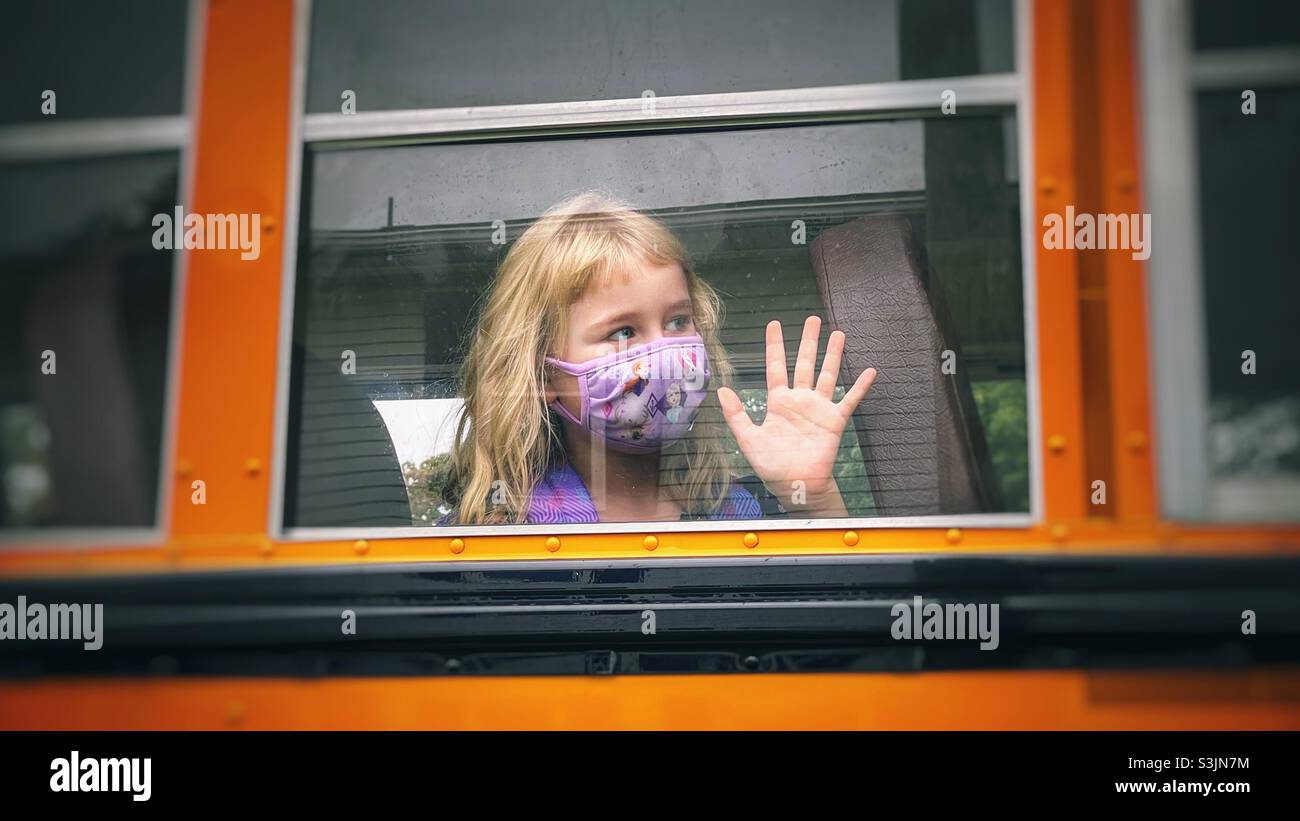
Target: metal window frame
[115, 137]
[1262, 67]
[1172, 73]
[914, 97]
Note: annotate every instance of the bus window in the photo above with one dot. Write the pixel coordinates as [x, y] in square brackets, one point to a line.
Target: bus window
[897, 231]
[84, 308]
[1223, 196]
[87, 158]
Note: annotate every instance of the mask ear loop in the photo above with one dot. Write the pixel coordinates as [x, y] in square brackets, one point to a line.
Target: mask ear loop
[582, 394]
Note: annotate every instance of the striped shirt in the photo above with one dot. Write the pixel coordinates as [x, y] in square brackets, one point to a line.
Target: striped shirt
[562, 498]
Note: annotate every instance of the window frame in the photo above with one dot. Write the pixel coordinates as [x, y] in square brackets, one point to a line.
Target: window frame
[102, 138]
[699, 111]
[1171, 74]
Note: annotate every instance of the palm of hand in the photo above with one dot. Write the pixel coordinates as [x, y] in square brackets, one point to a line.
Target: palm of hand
[799, 439]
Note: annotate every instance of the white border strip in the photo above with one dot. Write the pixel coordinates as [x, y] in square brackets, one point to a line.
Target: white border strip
[289, 269]
[1245, 68]
[1029, 254]
[971, 521]
[1174, 298]
[988, 89]
[70, 139]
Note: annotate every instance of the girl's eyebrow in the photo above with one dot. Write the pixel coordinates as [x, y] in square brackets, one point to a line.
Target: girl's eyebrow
[624, 315]
[612, 319]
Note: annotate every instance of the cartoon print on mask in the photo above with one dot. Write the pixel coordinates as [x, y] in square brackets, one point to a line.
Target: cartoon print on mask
[631, 417]
[673, 399]
[643, 401]
[691, 373]
[637, 381]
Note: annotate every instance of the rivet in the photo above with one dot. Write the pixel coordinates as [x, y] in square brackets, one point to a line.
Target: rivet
[266, 548]
[751, 662]
[1047, 185]
[183, 467]
[1137, 440]
[1060, 532]
[361, 546]
[234, 713]
[552, 544]
[850, 537]
[1125, 181]
[253, 466]
[750, 540]
[1056, 443]
[650, 542]
[953, 535]
[457, 546]
[268, 224]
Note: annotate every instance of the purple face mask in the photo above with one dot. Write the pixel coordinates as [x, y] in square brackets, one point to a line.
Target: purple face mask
[642, 399]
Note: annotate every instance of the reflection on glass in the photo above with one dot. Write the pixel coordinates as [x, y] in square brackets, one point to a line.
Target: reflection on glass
[100, 60]
[1245, 24]
[1248, 220]
[411, 54]
[85, 306]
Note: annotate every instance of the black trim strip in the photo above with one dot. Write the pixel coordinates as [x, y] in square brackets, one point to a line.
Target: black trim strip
[778, 615]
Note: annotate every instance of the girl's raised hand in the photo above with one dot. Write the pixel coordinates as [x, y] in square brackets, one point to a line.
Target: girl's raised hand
[799, 439]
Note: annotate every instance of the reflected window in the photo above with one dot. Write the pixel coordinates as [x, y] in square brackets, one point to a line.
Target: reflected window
[85, 303]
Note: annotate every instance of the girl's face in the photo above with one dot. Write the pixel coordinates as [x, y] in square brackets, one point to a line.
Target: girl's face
[622, 312]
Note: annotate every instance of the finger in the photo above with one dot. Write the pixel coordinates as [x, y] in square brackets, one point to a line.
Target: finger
[806, 362]
[831, 365]
[775, 357]
[858, 392]
[733, 410]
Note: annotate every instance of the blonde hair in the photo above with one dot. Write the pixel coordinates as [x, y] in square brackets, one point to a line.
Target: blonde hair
[506, 435]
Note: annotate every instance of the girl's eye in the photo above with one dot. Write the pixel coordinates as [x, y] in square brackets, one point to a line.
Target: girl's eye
[679, 323]
[621, 334]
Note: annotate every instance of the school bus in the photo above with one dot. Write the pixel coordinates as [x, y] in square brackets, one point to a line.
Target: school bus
[240, 273]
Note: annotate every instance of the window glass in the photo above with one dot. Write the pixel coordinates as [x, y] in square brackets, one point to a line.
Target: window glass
[99, 59]
[904, 234]
[84, 316]
[1245, 24]
[411, 54]
[1249, 173]
[1245, 116]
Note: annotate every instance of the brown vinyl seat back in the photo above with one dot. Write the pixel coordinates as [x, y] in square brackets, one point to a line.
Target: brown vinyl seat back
[918, 428]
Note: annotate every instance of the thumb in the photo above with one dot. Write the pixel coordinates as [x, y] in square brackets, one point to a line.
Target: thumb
[733, 410]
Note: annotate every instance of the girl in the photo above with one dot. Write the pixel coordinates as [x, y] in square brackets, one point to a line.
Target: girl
[595, 315]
